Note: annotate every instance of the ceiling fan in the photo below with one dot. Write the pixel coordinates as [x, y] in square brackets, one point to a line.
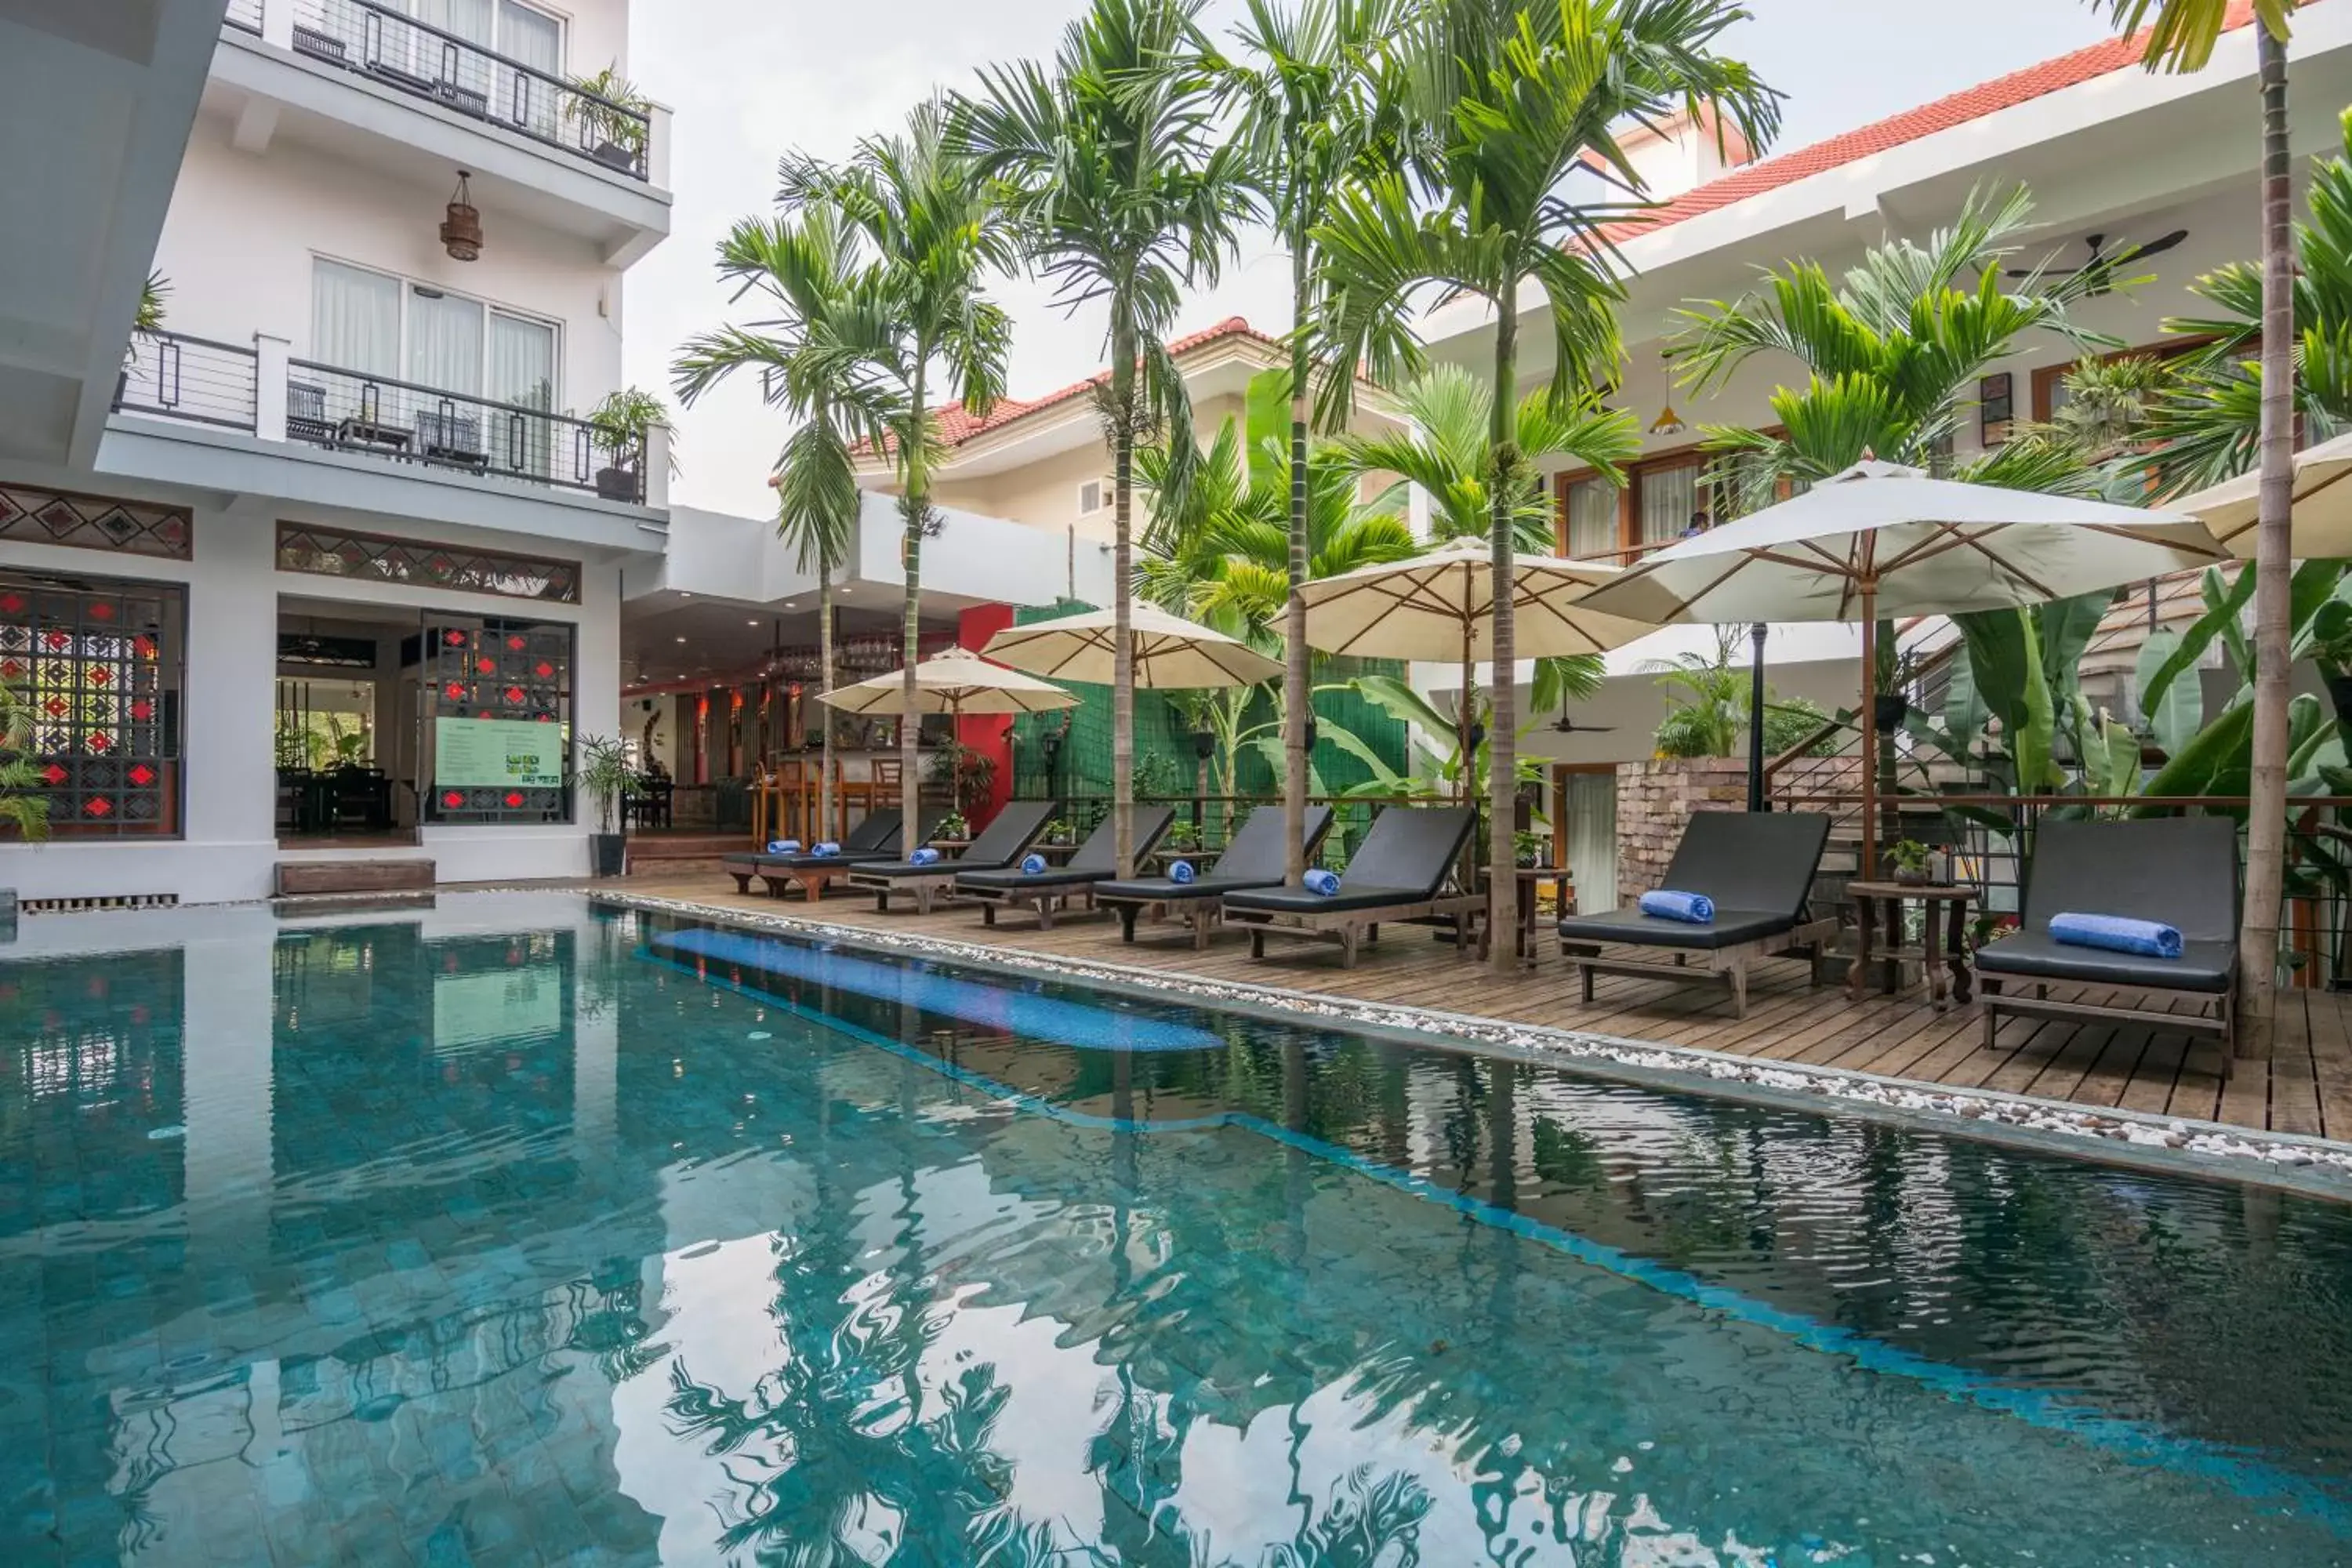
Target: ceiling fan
[2105, 262]
[1568, 726]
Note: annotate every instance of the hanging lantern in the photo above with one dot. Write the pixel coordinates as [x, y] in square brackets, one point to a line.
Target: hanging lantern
[461, 230]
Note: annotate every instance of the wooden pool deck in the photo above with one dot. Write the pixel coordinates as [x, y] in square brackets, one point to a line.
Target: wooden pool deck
[2306, 1086]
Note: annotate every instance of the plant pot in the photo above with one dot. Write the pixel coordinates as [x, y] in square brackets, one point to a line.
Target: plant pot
[616, 484]
[607, 854]
[2339, 692]
[1525, 862]
[1890, 708]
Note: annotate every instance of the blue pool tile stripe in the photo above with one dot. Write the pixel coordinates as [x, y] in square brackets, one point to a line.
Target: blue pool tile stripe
[1074, 1024]
[2136, 1441]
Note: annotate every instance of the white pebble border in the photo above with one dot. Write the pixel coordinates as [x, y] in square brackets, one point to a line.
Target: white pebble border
[2319, 1166]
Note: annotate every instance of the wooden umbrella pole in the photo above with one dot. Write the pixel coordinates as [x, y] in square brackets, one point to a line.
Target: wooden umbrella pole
[1867, 867]
[1465, 719]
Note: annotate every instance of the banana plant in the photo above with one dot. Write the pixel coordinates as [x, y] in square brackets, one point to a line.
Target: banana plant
[1436, 771]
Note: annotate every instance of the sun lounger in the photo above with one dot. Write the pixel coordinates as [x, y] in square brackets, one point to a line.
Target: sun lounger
[1254, 859]
[1758, 868]
[1097, 861]
[2180, 870]
[1001, 844]
[874, 838]
[1400, 872]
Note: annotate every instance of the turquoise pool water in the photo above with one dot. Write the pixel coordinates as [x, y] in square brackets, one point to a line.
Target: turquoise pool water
[517, 1234]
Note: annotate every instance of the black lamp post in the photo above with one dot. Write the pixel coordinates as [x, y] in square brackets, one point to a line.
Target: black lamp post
[1756, 634]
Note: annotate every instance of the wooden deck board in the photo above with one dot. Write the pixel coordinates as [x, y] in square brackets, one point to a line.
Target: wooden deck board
[2305, 1087]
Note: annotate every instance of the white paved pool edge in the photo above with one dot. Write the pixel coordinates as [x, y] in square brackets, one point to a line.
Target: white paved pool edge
[2319, 1166]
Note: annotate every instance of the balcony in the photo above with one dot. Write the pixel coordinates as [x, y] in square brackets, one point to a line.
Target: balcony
[262, 392]
[424, 100]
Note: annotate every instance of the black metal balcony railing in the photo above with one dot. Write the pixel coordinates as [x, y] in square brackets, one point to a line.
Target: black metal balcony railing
[176, 376]
[406, 422]
[244, 14]
[418, 58]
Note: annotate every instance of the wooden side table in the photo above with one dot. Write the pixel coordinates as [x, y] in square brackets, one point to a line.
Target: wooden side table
[1945, 906]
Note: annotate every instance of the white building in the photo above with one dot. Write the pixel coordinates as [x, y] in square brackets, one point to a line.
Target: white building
[346, 490]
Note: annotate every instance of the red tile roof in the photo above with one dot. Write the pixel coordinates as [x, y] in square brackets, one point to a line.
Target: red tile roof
[2086, 63]
[956, 426]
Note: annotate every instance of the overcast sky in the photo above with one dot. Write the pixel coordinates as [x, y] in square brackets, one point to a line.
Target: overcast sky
[749, 79]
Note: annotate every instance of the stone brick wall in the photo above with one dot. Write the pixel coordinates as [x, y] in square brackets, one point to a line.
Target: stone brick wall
[1654, 799]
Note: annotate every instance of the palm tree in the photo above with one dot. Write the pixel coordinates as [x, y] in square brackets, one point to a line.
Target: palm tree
[812, 357]
[936, 231]
[2181, 37]
[1317, 102]
[1450, 411]
[1512, 107]
[1108, 161]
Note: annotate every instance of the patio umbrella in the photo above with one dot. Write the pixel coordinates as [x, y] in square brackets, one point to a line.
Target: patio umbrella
[1439, 607]
[1885, 541]
[957, 681]
[2322, 520]
[1170, 653]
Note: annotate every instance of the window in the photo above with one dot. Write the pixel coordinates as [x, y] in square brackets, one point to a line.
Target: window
[101, 660]
[499, 690]
[519, 32]
[1098, 495]
[372, 324]
[1591, 507]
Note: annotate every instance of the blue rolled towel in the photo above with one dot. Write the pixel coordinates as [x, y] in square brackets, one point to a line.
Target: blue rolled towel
[784, 846]
[1321, 883]
[1180, 872]
[1691, 909]
[827, 848]
[2148, 939]
[926, 856]
[1031, 865]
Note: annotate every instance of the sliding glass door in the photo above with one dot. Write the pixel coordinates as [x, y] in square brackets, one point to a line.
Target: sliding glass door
[521, 374]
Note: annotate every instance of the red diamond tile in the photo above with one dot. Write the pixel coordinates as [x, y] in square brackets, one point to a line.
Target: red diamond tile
[514, 694]
[56, 706]
[514, 800]
[142, 710]
[142, 776]
[97, 806]
[12, 603]
[487, 666]
[451, 800]
[100, 742]
[544, 669]
[101, 611]
[56, 776]
[452, 638]
[454, 692]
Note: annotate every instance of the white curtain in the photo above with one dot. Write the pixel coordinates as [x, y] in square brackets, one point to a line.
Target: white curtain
[354, 319]
[445, 342]
[469, 19]
[1591, 517]
[534, 37]
[1593, 840]
[522, 372]
[1669, 498]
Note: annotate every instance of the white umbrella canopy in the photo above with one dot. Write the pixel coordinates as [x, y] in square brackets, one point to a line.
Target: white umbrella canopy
[1170, 653]
[1911, 544]
[1440, 607]
[2322, 520]
[1882, 539]
[957, 681]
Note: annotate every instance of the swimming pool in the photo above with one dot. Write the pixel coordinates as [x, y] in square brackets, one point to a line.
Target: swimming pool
[516, 1232]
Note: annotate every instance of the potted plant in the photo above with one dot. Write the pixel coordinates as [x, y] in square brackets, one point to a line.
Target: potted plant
[605, 774]
[1906, 861]
[1061, 831]
[29, 814]
[612, 116]
[954, 828]
[618, 428]
[1527, 848]
[1183, 838]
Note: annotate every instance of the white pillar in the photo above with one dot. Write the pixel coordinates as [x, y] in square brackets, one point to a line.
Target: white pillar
[277, 23]
[658, 440]
[232, 694]
[657, 146]
[271, 372]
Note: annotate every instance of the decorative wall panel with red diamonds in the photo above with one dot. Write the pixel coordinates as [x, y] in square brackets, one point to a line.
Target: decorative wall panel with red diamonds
[495, 667]
[99, 663]
[94, 523]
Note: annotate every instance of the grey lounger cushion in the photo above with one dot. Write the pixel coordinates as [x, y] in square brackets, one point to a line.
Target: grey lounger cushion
[1405, 859]
[2182, 871]
[1096, 859]
[1254, 859]
[1003, 841]
[1759, 868]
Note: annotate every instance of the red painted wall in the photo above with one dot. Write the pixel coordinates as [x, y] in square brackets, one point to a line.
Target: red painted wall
[990, 733]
